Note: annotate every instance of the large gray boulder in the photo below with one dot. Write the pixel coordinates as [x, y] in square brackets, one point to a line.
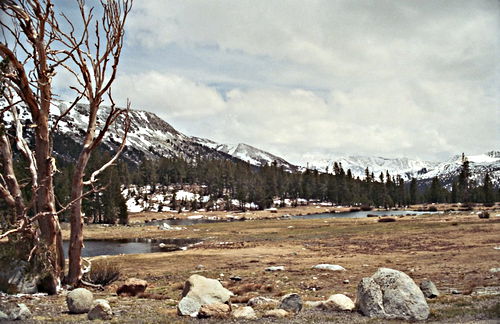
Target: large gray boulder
[79, 301]
[199, 290]
[391, 294]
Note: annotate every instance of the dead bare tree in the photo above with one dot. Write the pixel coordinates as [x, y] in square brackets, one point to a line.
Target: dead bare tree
[39, 47]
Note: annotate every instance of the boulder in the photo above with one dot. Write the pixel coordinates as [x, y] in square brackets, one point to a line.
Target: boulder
[202, 291]
[188, 307]
[277, 313]
[331, 267]
[100, 310]
[429, 289]
[79, 301]
[246, 312]
[338, 302]
[15, 312]
[261, 300]
[291, 303]
[391, 294]
[16, 278]
[132, 287]
[215, 310]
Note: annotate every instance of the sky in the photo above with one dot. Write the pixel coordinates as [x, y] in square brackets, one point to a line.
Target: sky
[307, 80]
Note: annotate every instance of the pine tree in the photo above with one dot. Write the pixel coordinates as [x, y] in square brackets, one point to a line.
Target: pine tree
[488, 192]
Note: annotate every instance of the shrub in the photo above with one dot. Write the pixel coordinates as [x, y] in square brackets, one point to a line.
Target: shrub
[366, 207]
[102, 272]
[432, 209]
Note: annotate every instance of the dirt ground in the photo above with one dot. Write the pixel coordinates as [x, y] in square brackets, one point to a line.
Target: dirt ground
[454, 250]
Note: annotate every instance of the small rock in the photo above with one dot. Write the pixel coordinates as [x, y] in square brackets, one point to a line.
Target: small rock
[276, 268]
[215, 310]
[291, 303]
[331, 267]
[246, 312]
[494, 270]
[235, 278]
[277, 313]
[429, 289]
[79, 301]
[261, 300]
[100, 310]
[313, 304]
[338, 302]
[346, 281]
[456, 292]
[132, 287]
[188, 307]
[200, 267]
[483, 214]
[496, 248]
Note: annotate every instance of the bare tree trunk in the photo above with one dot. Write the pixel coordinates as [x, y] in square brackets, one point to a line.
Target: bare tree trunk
[50, 230]
[76, 240]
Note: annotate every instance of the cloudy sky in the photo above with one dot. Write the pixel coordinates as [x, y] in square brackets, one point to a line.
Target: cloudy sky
[308, 79]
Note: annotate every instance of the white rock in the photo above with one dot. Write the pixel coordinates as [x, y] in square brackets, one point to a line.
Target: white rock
[275, 268]
[339, 302]
[494, 270]
[277, 313]
[331, 267]
[100, 310]
[199, 290]
[246, 312]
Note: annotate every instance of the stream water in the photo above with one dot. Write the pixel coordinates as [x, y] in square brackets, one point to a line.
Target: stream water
[131, 246]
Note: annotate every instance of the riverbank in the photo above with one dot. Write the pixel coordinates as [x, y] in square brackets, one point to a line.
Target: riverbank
[456, 251]
[146, 217]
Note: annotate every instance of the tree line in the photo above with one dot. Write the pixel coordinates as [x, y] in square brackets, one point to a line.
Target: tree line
[239, 181]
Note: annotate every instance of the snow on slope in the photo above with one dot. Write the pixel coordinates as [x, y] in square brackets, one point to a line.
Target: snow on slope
[404, 167]
[421, 170]
[479, 165]
[247, 153]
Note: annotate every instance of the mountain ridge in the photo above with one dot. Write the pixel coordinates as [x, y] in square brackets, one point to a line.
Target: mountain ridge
[151, 137]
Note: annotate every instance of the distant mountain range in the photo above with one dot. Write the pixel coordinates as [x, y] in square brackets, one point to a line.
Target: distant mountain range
[424, 171]
[152, 137]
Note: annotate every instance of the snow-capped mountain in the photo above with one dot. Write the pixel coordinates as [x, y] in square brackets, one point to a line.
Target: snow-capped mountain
[421, 170]
[247, 153]
[479, 165]
[148, 137]
[152, 137]
[404, 167]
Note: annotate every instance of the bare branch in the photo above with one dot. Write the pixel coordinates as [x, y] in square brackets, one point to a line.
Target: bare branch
[66, 112]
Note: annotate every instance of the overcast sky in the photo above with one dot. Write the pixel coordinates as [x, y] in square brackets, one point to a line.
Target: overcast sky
[320, 78]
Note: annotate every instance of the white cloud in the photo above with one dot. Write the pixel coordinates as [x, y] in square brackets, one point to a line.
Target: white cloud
[384, 78]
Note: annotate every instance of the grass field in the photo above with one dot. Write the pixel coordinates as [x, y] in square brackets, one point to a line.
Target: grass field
[455, 251]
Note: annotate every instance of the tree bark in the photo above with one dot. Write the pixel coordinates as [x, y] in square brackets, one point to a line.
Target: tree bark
[50, 231]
